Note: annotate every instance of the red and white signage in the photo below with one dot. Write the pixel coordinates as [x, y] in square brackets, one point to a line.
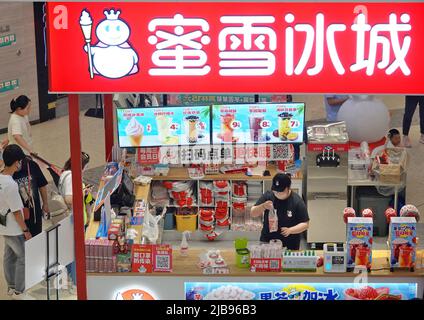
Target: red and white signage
[174, 47]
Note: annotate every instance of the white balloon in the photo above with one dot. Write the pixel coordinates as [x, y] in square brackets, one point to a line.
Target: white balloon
[367, 119]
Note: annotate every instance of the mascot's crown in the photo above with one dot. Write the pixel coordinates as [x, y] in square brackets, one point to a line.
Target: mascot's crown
[112, 15]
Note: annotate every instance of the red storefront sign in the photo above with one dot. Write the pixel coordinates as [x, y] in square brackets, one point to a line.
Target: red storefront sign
[236, 47]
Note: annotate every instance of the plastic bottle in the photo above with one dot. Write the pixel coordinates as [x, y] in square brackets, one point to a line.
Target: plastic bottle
[273, 220]
[184, 243]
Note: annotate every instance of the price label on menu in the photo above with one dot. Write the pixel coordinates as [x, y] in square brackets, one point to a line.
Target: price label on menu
[236, 125]
[294, 123]
[201, 125]
[174, 126]
[149, 127]
[265, 124]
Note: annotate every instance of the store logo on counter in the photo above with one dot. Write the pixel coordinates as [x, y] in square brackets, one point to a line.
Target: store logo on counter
[133, 294]
[112, 57]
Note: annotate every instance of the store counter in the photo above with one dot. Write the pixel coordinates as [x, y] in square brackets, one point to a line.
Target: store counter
[187, 276]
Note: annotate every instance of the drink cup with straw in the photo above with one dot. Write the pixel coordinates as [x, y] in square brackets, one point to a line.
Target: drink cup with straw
[86, 24]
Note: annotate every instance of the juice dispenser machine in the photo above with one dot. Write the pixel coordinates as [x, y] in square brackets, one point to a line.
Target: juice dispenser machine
[327, 175]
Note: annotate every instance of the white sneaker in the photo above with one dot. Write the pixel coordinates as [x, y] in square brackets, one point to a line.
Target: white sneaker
[10, 292]
[22, 296]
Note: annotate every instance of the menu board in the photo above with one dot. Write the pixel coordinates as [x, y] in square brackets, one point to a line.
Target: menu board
[258, 123]
[167, 126]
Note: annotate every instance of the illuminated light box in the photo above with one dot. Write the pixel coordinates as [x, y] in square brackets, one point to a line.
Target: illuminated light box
[299, 291]
[166, 126]
[258, 123]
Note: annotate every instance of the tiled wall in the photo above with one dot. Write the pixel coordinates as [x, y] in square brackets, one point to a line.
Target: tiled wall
[18, 61]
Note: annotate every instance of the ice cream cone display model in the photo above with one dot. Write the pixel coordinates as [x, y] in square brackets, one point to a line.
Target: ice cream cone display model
[134, 131]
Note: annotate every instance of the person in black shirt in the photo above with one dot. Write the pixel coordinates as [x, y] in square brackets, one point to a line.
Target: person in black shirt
[293, 218]
[31, 172]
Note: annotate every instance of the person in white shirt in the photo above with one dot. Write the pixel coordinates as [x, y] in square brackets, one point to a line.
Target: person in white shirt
[65, 189]
[393, 139]
[12, 224]
[19, 128]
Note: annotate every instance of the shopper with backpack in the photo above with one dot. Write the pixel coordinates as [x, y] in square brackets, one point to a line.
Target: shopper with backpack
[12, 225]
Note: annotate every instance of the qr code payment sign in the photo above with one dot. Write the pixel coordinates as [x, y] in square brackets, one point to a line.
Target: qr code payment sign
[163, 262]
[281, 152]
[274, 264]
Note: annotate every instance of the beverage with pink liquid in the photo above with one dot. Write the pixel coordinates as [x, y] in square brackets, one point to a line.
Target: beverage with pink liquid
[226, 127]
[255, 121]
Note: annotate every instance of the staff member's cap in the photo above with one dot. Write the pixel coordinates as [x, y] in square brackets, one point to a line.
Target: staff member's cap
[280, 182]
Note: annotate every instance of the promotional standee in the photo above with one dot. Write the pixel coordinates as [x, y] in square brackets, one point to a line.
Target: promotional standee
[193, 172]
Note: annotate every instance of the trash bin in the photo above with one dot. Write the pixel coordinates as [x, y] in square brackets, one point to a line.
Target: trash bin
[378, 204]
[169, 221]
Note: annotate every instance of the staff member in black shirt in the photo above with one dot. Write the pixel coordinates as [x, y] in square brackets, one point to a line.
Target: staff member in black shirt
[293, 218]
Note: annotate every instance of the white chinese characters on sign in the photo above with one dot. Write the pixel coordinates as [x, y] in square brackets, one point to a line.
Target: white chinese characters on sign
[179, 52]
[255, 57]
[361, 27]
[313, 35]
[317, 35]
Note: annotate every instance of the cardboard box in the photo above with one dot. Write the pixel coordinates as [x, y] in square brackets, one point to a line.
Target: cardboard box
[87, 249]
[359, 242]
[403, 242]
[96, 265]
[114, 264]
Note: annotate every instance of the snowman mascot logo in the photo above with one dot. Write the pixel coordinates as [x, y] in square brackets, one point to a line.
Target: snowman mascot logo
[112, 57]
